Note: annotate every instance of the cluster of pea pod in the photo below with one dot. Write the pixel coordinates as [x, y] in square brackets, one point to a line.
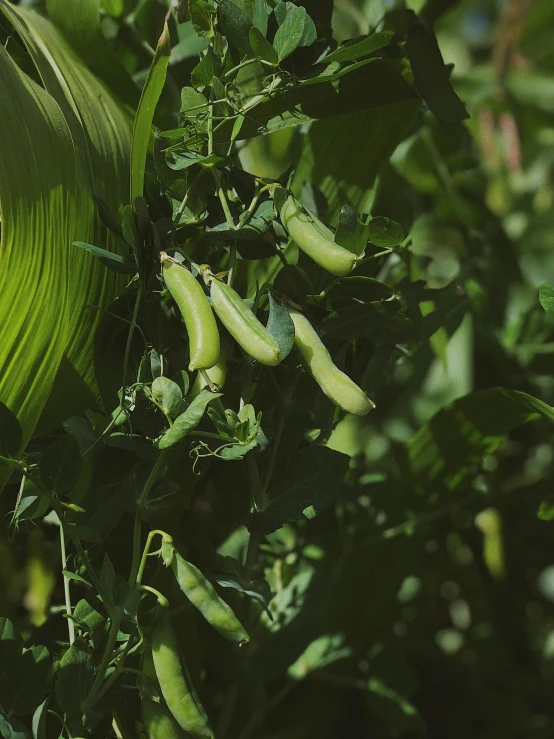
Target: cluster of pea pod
[315, 240]
[178, 712]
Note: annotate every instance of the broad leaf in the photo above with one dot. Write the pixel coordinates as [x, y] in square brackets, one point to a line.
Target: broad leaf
[142, 128]
[187, 421]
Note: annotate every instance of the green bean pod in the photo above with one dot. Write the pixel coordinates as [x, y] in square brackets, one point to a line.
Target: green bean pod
[196, 311]
[243, 325]
[203, 596]
[216, 374]
[175, 683]
[335, 384]
[157, 720]
[315, 239]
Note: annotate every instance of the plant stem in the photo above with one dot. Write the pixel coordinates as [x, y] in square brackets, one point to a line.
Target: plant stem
[67, 593]
[232, 264]
[137, 528]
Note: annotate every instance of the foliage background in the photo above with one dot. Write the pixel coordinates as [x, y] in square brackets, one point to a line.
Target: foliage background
[431, 582]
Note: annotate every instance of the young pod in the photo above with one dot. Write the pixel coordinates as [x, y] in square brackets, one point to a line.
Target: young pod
[175, 683]
[157, 720]
[216, 374]
[315, 239]
[196, 311]
[243, 325]
[203, 596]
[334, 383]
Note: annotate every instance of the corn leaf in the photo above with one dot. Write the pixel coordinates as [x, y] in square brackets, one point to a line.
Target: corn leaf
[59, 147]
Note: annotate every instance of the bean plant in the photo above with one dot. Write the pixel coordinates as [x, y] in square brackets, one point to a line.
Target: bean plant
[227, 561]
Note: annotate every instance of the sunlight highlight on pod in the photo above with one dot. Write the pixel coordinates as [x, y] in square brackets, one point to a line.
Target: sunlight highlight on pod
[157, 720]
[242, 324]
[315, 239]
[196, 311]
[175, 683]
[335, 384]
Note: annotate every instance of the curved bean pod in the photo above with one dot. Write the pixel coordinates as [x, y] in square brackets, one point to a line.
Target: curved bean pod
[315, 239]
[334, 383]
[243, 325]
[203, 596]
[217, 373]
[196, 311]
[175, 682]
[157, 720]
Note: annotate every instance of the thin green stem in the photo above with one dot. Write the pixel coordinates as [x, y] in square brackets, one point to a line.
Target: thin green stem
[137, 528]
[66, 590]
[232, 264]
[222, 198]
[231, 72]
[91, 572]
[146, 551]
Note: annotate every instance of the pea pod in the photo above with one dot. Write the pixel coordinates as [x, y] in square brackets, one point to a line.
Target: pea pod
[243, 325]
[315, 239]
[216, 374]
[157, 720]
[196, 311]
[203, 596]
[175, 682]
[334, 383]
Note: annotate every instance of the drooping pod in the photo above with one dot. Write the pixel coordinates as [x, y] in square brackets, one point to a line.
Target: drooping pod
[315, 239]
[157, 720]
[175, 683]
[204, 597]
[216, 374]
[242, 324]
[196, 311]
[317, 360]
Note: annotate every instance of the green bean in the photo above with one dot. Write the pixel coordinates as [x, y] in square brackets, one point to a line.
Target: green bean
[203, 596]
[315, 239]
[157, 720]
[175, 682]
[196, 311]
[334, 383]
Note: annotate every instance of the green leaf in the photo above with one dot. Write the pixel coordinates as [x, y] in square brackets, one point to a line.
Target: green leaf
[39, 720]
[201, 13]
[343, 155]
[260, 16]
[225, 581]
[546, 509]
[193, 103]
[46, 137]
[312, 477]
[187, 421]
[332, 76]
[431, 74]
[76, 578]
[261, 46]
[235, 25]
[142, 127]
[75, 676]
[168, 394]
[11, 728]
[290, 34]
[323, 651]
[382, 231]
[443, 451]
[371, 86]
[280, 326]
[60, 465]
[358, 49]
[546, 297]
[79, 22]
[110, 260]
[355, 321]
[202, 74]
[351, 233]
[11, 433]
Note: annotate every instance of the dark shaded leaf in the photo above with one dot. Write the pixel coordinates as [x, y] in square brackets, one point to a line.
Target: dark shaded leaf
[280, 326]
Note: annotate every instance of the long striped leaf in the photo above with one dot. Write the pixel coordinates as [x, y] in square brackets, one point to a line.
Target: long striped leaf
[62, 144]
